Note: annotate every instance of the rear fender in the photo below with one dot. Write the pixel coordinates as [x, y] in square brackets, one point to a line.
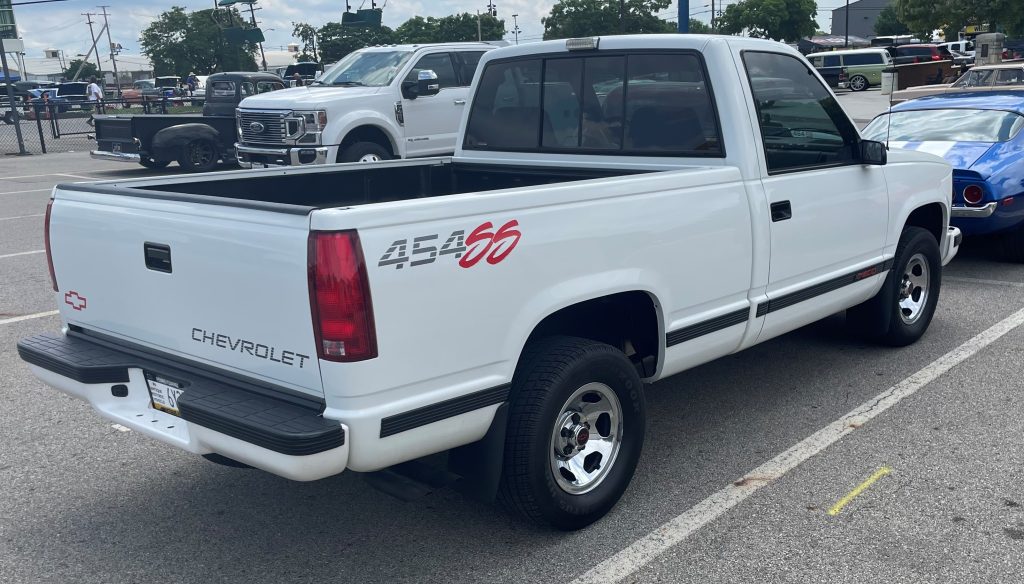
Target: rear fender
[169, 141]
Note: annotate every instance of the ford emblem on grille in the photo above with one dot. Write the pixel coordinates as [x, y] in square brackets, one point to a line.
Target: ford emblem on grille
[257, 127]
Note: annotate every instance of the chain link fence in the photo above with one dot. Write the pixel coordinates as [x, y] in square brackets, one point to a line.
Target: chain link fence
[67, 126]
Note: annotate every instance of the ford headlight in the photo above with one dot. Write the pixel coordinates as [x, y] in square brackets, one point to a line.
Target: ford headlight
[313, 123]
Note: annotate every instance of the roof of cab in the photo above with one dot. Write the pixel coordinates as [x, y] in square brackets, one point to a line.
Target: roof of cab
[695, 42]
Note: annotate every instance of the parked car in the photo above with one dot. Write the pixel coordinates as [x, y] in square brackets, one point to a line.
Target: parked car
[508, 303]
[981, 137]
[308, 71]
[863, 66]
[134, 95]
[919, 53]
[366, 108]
[964, 47]
[983, 78]
[197, 143]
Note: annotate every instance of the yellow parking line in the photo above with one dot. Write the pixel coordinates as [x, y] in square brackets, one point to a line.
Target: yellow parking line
[857, 491]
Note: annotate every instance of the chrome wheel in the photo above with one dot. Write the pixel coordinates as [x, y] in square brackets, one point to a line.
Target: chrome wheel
[858, 83]
[586, 438]
[370, 158]
[913, 291]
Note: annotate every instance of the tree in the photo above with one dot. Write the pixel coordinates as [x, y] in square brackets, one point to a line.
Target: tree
[698, 27]
[888, 23]
[336, 41]
[786, 20]
[87, 71]
[179, 42]
[308, 34]
[580, 18]
[453, 28]
[926, 15]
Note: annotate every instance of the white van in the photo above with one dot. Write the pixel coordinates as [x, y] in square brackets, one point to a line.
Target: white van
[961, 47]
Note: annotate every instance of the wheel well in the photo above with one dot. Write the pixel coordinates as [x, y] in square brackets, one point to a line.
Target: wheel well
[627, 321]
[366, 134]
[928, 217]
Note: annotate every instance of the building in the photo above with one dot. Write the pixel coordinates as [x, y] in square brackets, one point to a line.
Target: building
[8, 28]
[863, 15]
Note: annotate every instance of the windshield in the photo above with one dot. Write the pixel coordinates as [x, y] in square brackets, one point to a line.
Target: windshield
[975, 78]
[370, 68]
[946, 125]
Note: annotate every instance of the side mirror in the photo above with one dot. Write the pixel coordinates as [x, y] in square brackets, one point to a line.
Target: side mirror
[426, 83]
[873, 153]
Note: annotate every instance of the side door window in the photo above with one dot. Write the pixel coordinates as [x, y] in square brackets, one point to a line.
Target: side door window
[467, 62]
[832, 61]
[802, 124]
[440, 63]
[267, 86]
[1010, 77]
[246, 89]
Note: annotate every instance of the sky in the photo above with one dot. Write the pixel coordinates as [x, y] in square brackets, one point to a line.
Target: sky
[62, 25]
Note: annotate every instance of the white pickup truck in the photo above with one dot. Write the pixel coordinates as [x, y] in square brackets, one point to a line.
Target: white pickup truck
[378, 103]
[619, 210]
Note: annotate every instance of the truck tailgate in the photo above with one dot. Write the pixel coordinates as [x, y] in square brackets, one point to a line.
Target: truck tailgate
[220, 284]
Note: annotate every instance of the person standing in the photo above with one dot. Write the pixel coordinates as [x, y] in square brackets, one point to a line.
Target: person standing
[297, 80]
[94, 93]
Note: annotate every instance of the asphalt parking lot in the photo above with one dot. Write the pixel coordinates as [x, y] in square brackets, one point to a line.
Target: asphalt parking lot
[738, 482]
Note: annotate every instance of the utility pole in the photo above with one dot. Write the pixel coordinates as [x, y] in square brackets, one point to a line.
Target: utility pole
[252, 14]
[515, 27]
[622, 16]
[113, 59]
[712, 16]
[99, 66]
[847, 27]
[479, 37]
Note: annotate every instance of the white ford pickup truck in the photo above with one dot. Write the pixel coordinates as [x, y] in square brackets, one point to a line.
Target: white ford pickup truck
[618, 210]
[370, 106]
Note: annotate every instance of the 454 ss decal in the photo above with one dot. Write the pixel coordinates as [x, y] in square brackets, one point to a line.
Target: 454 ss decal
[483, 243]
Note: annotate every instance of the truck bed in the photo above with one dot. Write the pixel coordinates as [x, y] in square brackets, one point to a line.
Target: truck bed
[350, 185]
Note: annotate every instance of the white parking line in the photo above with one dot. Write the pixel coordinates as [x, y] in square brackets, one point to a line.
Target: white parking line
[38, 175]
[21, 253]
[28, 317]
[676, 530]
[984, 281]
[20, 217]
[28, 191]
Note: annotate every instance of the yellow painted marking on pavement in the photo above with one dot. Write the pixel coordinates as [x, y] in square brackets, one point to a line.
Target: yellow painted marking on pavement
[857, 491]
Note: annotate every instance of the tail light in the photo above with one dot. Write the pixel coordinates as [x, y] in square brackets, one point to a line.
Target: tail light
[46, 244]
[339, 296]
[936, 57]
[973, 194]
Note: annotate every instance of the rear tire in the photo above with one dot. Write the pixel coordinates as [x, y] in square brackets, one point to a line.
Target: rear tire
[1013, 245]
[902, 310]
[859, 83]
[198, 156]
[575, 432]
[364, 152]
[154, 164]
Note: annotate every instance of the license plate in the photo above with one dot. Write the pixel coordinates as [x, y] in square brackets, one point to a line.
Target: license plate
[164, 393]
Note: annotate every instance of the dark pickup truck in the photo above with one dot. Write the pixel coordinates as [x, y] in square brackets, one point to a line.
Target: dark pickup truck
[196, 142]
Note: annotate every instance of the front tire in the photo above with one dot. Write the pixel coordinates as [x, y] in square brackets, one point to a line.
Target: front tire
[198, 156]
[902, 310]
[576, 429]
[859, 83]
[364, 152]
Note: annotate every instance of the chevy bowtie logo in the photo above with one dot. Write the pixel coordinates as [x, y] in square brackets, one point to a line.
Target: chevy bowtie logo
[74, 300]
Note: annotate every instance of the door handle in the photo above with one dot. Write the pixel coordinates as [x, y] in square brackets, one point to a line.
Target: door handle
[460, 102]
[781, 211]
[158, 256]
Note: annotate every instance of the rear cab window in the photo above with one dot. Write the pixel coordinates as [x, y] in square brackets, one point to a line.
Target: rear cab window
[622, 103]
[222, 89]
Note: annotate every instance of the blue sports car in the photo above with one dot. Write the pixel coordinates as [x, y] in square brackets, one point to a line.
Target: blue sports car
[982, 136]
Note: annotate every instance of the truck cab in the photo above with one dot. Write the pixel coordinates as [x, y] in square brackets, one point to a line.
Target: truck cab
[367, 107]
